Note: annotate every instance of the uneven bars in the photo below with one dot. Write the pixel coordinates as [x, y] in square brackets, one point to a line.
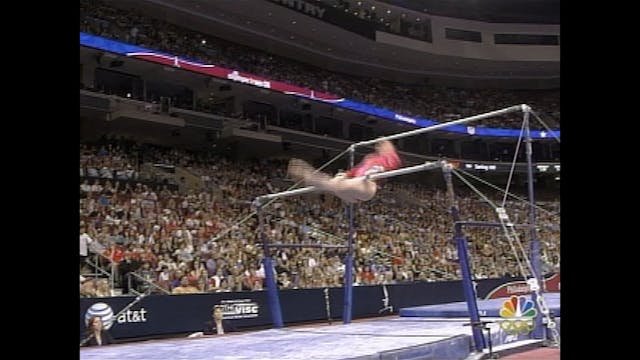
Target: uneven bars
[442, 125]
[407, 170]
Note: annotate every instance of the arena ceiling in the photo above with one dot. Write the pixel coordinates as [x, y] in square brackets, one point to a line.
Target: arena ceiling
[267, 26]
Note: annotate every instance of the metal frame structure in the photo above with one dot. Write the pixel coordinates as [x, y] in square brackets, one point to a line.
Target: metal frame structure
[460, 240]
[272, 290]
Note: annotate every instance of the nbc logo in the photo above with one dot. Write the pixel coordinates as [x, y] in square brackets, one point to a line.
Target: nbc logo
[518, 313]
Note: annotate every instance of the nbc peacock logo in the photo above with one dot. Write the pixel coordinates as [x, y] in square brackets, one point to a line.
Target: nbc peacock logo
[518, 313]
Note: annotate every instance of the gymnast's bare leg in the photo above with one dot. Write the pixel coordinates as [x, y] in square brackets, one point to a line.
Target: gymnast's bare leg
[350, 186]
[348, 189]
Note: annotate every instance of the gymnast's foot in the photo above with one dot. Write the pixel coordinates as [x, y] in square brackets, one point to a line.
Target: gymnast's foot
[299, 169]
[389, 155]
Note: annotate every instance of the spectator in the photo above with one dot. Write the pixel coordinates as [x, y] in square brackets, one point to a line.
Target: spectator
[88, 288]
[403, 234]
[128, 265]
[218, 325]
[85, 240]
[146, 277]
[164, 278]
[185, 287]
[97, 335]
[103, 289]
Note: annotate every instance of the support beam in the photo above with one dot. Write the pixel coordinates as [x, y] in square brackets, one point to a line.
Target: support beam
[272, 288]
[465, 268]
[348, 260]
[539, 331]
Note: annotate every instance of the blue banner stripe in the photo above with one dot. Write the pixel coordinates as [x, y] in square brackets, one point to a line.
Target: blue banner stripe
[117, 47]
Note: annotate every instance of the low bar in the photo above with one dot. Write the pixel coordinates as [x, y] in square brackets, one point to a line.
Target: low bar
[287, 193]
[442, 125]
[407, 170]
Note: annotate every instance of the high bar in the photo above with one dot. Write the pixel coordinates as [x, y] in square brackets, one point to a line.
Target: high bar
[440, 126]
[287, 193]
[407, 170]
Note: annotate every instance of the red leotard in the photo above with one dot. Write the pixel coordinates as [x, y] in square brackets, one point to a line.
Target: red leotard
[388, 161]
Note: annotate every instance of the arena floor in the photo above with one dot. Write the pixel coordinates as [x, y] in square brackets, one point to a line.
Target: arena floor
[442, 338]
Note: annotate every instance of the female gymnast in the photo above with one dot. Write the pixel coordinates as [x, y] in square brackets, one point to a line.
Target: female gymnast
[351, 186]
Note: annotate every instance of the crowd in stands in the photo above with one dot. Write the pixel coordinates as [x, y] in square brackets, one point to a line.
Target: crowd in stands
[107, 162]
[428, 101]
[185, 240]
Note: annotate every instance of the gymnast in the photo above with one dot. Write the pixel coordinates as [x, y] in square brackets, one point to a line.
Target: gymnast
[351, 186]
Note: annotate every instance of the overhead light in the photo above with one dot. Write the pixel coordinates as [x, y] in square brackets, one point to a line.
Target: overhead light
[388, 11]
[204, 42]
[373, 7]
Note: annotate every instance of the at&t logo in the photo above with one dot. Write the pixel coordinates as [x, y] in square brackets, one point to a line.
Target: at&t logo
[105, 313]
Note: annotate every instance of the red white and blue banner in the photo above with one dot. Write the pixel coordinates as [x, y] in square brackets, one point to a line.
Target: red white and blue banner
[549, 284]
[158, 57]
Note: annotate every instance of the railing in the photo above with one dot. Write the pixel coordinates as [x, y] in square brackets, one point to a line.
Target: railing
[98, 270]
[151, 284]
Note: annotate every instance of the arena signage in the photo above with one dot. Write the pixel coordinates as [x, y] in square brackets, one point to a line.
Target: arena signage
[405, 119]
[303, 6]
[240, 309]
[485, 167]
[503, 167]
[105, 313]
[173, 61]
[182, 314]
[550, 284]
